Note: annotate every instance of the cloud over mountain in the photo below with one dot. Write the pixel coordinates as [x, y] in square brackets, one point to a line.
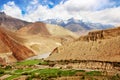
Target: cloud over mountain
[102, 11]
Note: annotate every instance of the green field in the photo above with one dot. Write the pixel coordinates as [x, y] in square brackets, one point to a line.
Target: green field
[32, 62]
[26, 68]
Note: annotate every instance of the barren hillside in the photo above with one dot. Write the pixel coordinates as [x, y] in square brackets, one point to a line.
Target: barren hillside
[43, 38]
[12, 48]
[46, 29]
[101, 45]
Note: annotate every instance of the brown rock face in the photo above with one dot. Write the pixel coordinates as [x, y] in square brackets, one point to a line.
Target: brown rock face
[98, 45]
[19, 51]
[34, 28]
[101, 34]
[37, 28]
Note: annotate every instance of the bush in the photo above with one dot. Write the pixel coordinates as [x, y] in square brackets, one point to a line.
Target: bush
[1, 71]
[8, 67]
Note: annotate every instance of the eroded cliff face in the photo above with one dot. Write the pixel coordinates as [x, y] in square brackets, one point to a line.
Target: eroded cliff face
[19, 51]
[103, 45]
[101, 34]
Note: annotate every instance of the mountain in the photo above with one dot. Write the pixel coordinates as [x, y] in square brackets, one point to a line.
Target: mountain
[101, 45]
[43, 38]
[78, 26]
[11, 49]
[10, 22]
[20, 40]
[46, 29]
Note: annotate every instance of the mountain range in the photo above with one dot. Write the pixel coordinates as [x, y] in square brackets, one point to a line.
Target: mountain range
[20, 40]
[78, 26]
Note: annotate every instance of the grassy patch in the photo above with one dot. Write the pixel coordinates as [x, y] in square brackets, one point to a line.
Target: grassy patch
[21, 71]
[28, 62]
[12, 77]
[32, 62]
[51, 73]
[94, 73]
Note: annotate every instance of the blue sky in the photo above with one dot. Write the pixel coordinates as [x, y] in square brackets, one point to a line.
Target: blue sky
[23, 4]
[102, 11]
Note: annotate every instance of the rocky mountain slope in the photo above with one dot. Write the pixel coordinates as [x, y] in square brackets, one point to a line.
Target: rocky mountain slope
[20, 40]
[46, 29]
[43, 38]
[10, 22]
[100, 45]
[11, 48]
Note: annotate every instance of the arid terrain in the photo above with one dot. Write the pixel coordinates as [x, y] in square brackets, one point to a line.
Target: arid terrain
[100, 45]
[40, 51]
[30, 39]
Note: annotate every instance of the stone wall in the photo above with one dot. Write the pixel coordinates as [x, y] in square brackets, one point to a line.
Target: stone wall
[92, 65]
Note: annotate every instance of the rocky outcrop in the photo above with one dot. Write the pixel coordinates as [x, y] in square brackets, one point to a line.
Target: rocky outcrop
[101, 34]
[19, 51]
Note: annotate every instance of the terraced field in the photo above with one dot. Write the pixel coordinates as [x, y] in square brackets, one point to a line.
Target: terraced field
[42, 70]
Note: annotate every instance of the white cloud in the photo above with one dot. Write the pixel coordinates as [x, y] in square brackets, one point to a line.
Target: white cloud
[91, 10]
[11, 9]
[34, 2]
[78, 5]
[110, 15]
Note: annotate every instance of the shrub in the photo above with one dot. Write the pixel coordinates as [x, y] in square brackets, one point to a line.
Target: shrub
[8, 67]
[1, 71]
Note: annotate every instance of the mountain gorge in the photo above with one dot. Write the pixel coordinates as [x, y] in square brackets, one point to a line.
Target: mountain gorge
[22, 40]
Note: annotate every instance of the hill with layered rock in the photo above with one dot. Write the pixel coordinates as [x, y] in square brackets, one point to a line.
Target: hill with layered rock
[11, 49]
[100, 45]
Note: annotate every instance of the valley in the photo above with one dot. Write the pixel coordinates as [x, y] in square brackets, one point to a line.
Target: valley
[42, 51]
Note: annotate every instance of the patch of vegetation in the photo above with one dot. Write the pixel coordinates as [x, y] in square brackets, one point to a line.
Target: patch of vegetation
[43, 63]
[80, 70]
[12, 77]
[31, 69]
[8, 67]
[22, 71]
[2, 72]
[28, 62]
[32, 62]
[94, 73]
[51, 73]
